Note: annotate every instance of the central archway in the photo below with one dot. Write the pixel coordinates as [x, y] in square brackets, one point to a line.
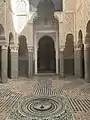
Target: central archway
[46, 55]
[23, 57]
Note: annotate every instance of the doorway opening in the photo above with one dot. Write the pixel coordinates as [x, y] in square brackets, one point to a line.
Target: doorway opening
[23, 57]
[46, 55]
[83, 64]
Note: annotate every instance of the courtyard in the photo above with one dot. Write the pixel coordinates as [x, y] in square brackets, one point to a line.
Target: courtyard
[13, 92]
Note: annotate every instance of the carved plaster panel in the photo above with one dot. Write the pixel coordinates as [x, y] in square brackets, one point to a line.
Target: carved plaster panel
[69, 23]
[87, 11]
[40, 35]
[69, 5]
[86, 15]
[2, 15]
[79, 22]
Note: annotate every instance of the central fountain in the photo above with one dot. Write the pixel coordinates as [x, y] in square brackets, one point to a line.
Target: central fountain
[31, 107]
[43, 105]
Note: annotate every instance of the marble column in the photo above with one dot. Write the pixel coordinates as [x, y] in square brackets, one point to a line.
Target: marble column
[14, 62]
[62, 62]
[87, 62]
[4, 58]
[78, 62]
[30, 61]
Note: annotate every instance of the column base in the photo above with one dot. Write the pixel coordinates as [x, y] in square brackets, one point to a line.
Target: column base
[62, 76]
[3, 81]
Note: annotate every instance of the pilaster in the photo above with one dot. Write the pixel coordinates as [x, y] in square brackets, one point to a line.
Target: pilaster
[4, 64]
[78, 58]
[61, 61]
[14, 61]
[30, 61]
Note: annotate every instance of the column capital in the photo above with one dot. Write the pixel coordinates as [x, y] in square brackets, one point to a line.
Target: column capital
[30, 48]
[5, 47]
[78, 47]
[61, 48]
[14, 48]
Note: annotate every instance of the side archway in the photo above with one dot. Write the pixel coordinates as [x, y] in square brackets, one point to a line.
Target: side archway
[87, 53]
[69, 55]
[23, 57]
[11, 41]
[87, 39]
[2, 37]
[80, 52]
[11, 38]
[80, 37]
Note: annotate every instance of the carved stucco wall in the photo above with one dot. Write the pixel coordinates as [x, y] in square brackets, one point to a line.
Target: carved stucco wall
[82, 17]
[28, 32]
[86, 14]
[79, 20]
[2, 13]
[3, 21]
[69, 5]
[69, 24]
[9, 21]
[52, 35]
[75, 17]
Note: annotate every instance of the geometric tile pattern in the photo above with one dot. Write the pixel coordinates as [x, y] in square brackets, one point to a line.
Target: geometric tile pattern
[45, 108]
[77, 92]
[7, 101]
[82, 105]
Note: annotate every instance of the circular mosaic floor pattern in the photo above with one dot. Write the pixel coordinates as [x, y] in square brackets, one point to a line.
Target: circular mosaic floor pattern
[41, 108]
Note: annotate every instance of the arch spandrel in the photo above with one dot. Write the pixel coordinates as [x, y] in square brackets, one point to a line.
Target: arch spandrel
[2, 32]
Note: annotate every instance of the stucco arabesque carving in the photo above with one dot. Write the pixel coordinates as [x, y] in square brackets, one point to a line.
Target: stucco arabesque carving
[14, 48]
[78, 46]
[30, 48]
[69, 22]
[5, 47]
[61, 48]
[2, 11]
[33, 17]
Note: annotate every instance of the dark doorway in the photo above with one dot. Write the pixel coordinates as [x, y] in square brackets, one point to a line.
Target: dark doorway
[69, 56]
[23, 57]
[46, 55]
[83, 64]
